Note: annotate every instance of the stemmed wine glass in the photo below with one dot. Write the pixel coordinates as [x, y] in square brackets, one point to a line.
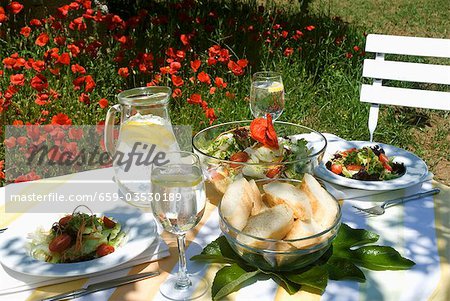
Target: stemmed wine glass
[267, 94]
[178, 203]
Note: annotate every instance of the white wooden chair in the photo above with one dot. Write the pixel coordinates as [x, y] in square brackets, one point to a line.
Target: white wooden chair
[379, 69]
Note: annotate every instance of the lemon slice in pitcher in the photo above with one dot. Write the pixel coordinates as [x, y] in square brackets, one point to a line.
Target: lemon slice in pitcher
[275, 87]
[149, 131]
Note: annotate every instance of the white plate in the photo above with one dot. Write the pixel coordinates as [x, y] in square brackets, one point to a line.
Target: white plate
[416, 169]
[141, 231]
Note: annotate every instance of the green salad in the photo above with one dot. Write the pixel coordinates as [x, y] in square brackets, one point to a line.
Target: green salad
[366, 164]
[76, 237]
[239, 146]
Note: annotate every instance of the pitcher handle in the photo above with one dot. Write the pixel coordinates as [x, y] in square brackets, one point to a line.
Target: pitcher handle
[109, 127]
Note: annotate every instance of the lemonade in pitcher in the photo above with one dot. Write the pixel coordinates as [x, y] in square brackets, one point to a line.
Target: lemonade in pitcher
[145, 137]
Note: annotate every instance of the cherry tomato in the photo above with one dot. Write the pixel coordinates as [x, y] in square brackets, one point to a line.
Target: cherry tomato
[60, 243]
[346, 152]
[273, 172]
[239, 157]
[336, 168]
[64, 220]
[354, 167]
[383, 159]
[387, 166]
[104, 249]
[108, 223]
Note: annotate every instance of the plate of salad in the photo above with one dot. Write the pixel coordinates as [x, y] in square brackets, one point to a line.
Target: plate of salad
[370, 166]
[75, 244]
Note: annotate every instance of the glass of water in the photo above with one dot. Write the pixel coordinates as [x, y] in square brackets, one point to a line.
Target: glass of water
[267, 94]
[178, 203]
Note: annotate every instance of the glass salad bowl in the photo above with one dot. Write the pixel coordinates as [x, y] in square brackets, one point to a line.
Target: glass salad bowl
[280, 254]
[300, 150]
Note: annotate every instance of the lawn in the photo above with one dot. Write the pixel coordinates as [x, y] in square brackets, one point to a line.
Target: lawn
[206, 51]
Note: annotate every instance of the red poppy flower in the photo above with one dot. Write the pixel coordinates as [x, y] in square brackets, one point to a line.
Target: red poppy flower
[84, 98]
[180, 55]
[78, 82]
[64, 59]
[185, 39]
[235, 68]
[230, 95]
[35, 22]
[262, 130]
[195, 65]
[25, 31]
[204, 78]
[175, 66]
[22, 141]
[195, 99]
[59, 40]
[78, 69]
[42, 99]
[75, 50]
[176, 93]
[9, 62]
[220, 83]
[103, 103]
[310, 27]
[177, 81]
[15, 7]
[3, 18]
[10, 142]
[288, 51]
[242, 63]
[78, 24]
[75, 133]
[17, 123]
[90, 83]
[39, 82]
[356, 48]
[42, 39]
[284, 34]
[63, 11]
[211, 115]
[348, 55]
[212, 90]
[211, 61]
[38, 66]
[123, 72]
[224, 56]
[17, 79]
[74, 5]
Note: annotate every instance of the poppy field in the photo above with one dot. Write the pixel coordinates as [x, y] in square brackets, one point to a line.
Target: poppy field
[65, 68]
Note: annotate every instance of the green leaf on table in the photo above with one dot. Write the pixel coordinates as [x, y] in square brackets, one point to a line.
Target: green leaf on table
[378, 258]
[282, 280]
[315, 277]
[230, 279]
[348, 237]
[343, 269]
[218, 251]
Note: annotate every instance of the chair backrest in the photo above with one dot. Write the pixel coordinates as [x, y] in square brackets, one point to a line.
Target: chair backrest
[379, 69]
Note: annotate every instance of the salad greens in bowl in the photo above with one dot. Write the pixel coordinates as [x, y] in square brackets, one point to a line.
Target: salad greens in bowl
[257, 149]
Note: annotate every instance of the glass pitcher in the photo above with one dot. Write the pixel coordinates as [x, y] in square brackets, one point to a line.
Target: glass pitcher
[145, 136]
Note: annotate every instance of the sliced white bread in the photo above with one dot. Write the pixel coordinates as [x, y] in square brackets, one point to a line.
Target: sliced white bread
[272, 223]
[324, 206]
[258, 204]
[236, 205]
[285, 193]
[302, 229]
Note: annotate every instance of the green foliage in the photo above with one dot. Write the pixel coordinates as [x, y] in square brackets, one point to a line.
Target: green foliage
[349, 250]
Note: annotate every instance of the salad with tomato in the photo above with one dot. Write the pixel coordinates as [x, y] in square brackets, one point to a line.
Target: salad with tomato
[259, 146]
[366, 164]
[76, 237]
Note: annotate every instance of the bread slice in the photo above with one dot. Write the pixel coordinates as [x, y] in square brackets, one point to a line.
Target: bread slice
[324, 206]
[258, 204]
[285, 193]
[273, 223]
[236, 204]
[302, 229]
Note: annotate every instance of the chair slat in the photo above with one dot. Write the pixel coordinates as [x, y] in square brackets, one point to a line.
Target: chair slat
[408, 45]
[405, 97]
[411, 72]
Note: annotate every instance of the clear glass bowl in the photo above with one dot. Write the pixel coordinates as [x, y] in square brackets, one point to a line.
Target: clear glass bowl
[221, 172]
[280, 255]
